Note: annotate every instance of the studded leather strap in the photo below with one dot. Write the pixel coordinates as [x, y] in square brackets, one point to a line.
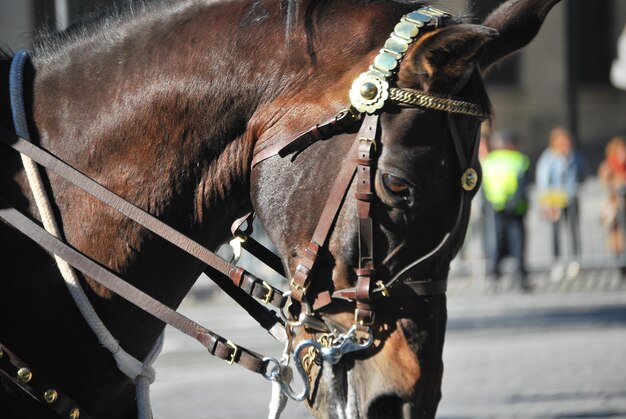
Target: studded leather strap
[38, 386]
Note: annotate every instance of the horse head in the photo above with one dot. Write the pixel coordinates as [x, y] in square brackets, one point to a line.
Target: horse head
[382, 266]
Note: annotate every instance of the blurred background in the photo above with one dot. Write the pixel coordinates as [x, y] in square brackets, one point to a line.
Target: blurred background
[554, 349]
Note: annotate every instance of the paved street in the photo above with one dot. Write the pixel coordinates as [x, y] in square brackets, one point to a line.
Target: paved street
[557, 353]
[553, 355]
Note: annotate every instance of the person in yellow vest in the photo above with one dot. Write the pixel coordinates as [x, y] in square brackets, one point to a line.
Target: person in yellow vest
[504, 185]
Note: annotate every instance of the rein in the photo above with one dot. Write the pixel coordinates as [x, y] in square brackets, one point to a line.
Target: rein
[370, 93]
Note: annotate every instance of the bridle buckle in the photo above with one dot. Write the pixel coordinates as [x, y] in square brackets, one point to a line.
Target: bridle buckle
[301, 288]
[233, 356]
[270, 292]
[383, 288]
[369, 140]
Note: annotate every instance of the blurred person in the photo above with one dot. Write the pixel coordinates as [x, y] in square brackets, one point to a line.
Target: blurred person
[487, 220]
[504, 185]
[618, 69]
[612, 174]
[560, 171]
[477, 237]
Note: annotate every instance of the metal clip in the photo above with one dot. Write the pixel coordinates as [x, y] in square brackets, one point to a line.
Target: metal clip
[341, 345]
[277, 373]
[289, 320]
[233, 356]
[345, 344]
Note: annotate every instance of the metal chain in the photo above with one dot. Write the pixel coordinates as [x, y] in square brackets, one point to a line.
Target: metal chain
[425, 100]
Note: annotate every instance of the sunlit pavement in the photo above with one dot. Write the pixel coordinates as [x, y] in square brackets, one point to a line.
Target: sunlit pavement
[556, 353]
[559, 352]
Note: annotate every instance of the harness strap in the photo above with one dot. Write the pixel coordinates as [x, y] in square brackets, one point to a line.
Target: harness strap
[300, 281]
[215, 344]
[364, 312]
[38, 386]
[255, 248]
[267, 319]
[338, 124]
[252, 284]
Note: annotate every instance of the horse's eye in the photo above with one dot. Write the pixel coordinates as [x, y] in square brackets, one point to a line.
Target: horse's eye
[395, 184]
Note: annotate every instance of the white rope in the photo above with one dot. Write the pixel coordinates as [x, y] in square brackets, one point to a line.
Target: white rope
[143, 380]
[278, 400]
[141, 373]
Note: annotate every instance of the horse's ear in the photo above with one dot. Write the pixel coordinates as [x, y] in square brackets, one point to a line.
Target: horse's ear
[438, 59]
[518, 22]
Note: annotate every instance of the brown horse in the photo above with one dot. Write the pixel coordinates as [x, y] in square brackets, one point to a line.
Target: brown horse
[167, 105]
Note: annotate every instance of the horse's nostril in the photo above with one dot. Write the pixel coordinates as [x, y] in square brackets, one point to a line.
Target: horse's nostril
[390, 406]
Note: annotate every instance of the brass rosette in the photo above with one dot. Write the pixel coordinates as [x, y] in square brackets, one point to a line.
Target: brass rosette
[369, 93]
[469, 180]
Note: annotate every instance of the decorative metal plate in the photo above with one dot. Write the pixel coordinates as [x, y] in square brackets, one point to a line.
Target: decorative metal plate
[369, 92]
[371, 89]
[469, 180]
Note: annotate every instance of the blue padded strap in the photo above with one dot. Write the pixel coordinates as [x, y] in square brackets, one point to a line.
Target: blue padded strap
[16, 89]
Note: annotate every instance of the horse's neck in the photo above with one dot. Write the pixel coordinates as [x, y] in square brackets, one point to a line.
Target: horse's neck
[159, 117]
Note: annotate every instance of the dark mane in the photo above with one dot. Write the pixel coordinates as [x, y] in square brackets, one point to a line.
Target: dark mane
[110, 24]
[107, 25]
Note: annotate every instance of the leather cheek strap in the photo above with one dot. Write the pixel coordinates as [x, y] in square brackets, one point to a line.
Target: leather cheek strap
[364, 313]
[301, 279]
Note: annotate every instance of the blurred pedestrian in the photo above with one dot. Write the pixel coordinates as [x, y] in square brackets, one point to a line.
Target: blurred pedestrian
[487, 219]
[476, 236]
[504, 185]
[612, 174]
[618, 70]
[560, 171]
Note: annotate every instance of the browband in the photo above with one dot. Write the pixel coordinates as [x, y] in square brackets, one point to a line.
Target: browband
[412, 97]
[370, 91]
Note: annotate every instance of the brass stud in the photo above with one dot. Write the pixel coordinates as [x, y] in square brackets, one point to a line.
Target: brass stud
[406, 30]
[469, 180]
[385, 62]
[397, 45]
[369, 90]
[1, 352]
[74, 413]
[51, 395]
[24, 375]
[418, 17]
